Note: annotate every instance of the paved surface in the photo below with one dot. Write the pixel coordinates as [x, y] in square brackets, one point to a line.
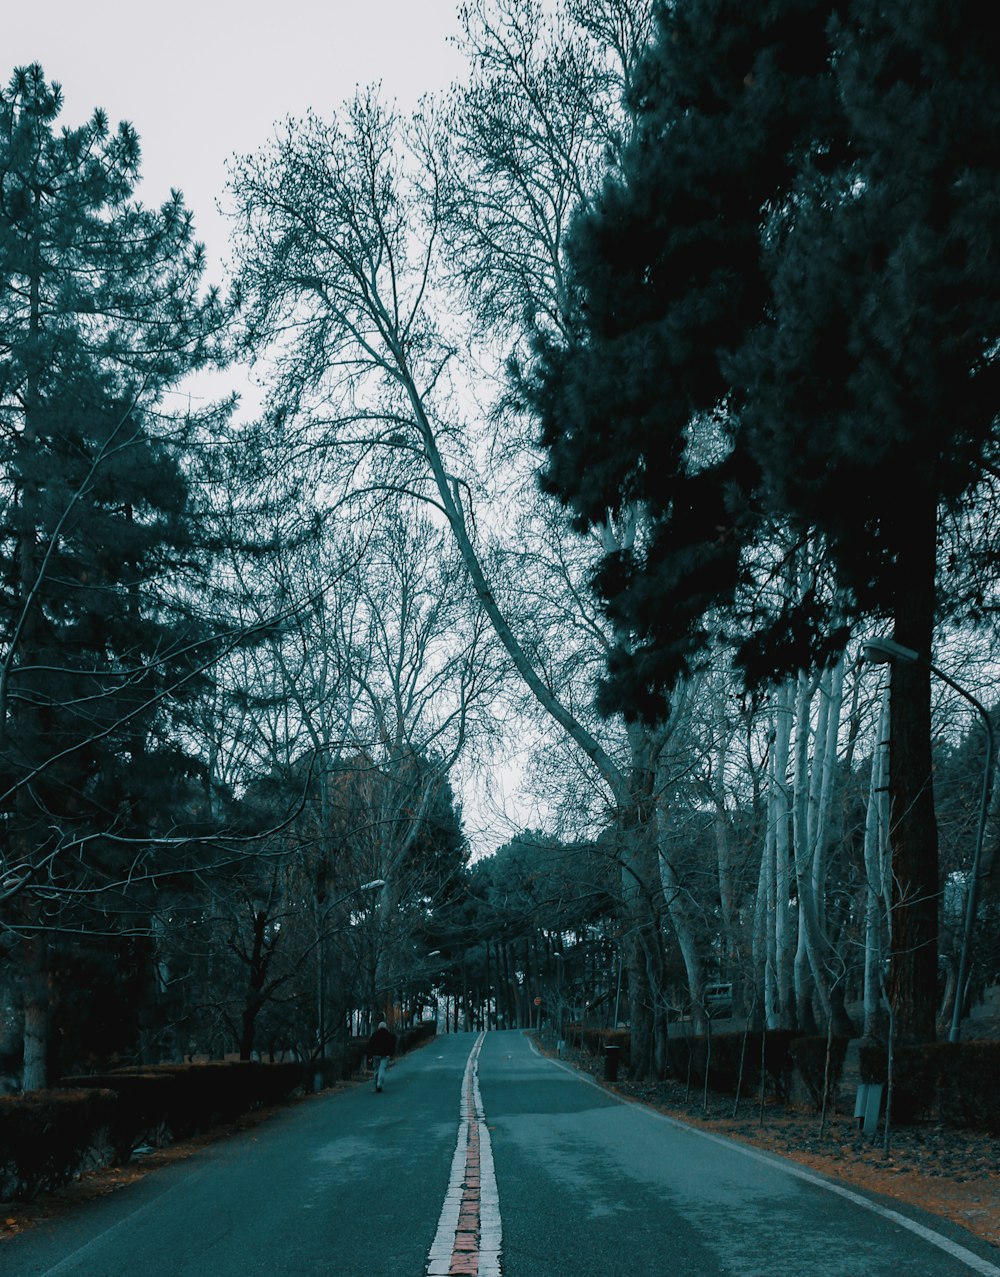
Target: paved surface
[399, 1184]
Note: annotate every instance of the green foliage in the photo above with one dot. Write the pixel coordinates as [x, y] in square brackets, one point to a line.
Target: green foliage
[535, 882]
[886, 303]
[103, 1030]
[99, 313]
[788, 316]
[639, 408]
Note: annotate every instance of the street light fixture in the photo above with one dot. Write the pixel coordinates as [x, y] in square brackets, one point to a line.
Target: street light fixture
[886, 651]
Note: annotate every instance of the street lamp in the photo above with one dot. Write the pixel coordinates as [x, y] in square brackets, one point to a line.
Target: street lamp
[374, 885]
[886, 651]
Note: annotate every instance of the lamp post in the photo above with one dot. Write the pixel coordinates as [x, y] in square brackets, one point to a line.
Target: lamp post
[321, 969]
[887, 651]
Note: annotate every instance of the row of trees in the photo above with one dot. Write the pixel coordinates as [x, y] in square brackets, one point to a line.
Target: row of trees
[745, 327]
[223, 710]
[669, 259]
[101, 312]
[786, 309]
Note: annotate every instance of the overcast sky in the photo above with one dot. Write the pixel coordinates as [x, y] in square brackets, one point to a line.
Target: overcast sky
[203, 79]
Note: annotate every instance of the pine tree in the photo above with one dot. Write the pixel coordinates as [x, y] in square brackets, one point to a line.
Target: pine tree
[872, 392]
[100, 312]
[638, 411]
[790, 305]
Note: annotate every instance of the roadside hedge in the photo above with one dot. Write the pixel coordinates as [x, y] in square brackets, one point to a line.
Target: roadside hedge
[173, 1101]
[594, 1041]
[689, 1056]
[48, 1137]
[809, 1058]
[410, 1039]
[954, 1082]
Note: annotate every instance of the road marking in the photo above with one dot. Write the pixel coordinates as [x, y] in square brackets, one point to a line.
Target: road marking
[954, 1249]
[468, 1234]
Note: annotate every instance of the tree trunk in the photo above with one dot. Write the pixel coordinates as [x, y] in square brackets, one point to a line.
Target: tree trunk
[780, 809]
[763, 932]
[36, 1001]
[808, 973]
[684, 924]
[876, 903]
[913, 982]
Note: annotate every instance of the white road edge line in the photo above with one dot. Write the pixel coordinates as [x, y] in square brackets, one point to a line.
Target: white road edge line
[954, 1249]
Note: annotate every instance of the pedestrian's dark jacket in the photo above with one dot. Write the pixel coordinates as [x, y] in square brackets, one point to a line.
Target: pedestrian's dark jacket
[381, 1042]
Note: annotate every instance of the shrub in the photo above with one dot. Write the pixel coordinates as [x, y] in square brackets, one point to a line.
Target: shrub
[47, 1137]
[967, 1087]
[596, 1041]
[204, 1095]
[186, 1099]
[954, 1081]
[410, 1039]
[809, 1057]
[141, 1112]
[914, 1080]
[688, 1057]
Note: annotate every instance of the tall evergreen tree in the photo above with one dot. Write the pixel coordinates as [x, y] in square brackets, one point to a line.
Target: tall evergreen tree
[872, 393]
[789, 304]
[100, 312]
[637, 410]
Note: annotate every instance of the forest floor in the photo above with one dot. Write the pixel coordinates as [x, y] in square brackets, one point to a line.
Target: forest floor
[951, 1173]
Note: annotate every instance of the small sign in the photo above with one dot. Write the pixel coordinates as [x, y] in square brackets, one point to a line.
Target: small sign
[868, 1105]
[538, 1002]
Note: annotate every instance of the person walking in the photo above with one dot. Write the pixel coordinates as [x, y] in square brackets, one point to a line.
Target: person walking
[381, 1045]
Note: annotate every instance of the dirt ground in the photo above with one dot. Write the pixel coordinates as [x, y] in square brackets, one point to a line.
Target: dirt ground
[954, 1174]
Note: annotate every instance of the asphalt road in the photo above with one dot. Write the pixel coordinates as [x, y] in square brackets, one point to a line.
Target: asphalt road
[353, 1184]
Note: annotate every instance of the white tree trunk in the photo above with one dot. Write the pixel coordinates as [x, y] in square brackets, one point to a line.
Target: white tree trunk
[876, 899]
[682, 918]
[824, 787]
[763, 932]
[779, 803]
[800, 845]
